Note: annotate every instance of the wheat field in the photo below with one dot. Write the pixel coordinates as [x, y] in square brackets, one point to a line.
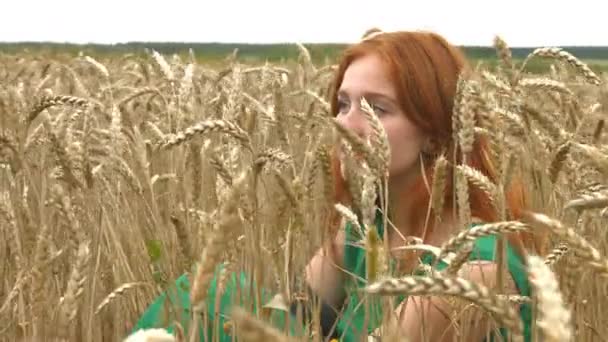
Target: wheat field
[120, 174]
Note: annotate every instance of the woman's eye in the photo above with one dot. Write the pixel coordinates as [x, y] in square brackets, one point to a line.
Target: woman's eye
[342, 106]
[378, 109]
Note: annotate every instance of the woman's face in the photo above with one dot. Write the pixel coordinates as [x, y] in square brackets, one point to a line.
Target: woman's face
[367, 77]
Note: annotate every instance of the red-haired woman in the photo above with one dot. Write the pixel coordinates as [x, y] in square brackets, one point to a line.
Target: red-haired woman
[410, 80]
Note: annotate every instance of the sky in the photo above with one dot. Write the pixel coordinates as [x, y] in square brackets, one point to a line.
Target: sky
[463, 22]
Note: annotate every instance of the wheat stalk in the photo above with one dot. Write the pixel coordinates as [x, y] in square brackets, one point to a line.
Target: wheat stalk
[100, 67]
[75, 287]
[119, 291]
[252, 329]
[469, 107]
[558, 53]
[556, 254]
[461, 257]
[215, 244]
[462, 196]
[479, 180]
[598, 199]
[582, 248]
[453, 286]
[209, 126]
[503, 51]
[440, 172]
[554, 319]
[379, 138]
[163, 65]
[545, 84]
[359, 146]
[274, 157]
[452, 245]
[558, 160]
[50, 101]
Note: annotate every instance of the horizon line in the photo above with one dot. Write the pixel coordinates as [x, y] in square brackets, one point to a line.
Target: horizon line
[264, 43]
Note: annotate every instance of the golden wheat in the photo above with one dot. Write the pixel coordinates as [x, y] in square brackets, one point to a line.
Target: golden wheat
[119, 173]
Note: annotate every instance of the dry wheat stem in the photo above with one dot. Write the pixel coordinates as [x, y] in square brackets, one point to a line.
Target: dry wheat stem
[119, 291]
[20, 280]
[592, 200]
[183, 238]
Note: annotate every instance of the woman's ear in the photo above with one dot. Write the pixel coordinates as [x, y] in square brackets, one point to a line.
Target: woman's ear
[430, 148]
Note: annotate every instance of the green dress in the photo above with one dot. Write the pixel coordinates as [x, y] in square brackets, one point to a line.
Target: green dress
[174, 305]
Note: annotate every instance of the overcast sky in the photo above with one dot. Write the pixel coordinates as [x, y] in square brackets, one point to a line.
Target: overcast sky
[519, 22]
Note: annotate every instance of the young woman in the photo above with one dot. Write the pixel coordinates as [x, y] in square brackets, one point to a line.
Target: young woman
[410, 80]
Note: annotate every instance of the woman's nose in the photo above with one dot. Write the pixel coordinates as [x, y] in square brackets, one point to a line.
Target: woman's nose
[355, 121]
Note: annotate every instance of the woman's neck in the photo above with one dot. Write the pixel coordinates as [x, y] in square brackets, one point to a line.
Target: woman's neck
[402, 227]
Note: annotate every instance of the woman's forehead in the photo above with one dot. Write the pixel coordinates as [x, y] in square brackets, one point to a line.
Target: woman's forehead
[367, 75]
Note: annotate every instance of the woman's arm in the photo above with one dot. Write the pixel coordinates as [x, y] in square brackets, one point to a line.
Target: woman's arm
[324, 273]
[431, 318]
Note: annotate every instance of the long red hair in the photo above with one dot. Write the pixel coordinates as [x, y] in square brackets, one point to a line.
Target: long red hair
[425, 69]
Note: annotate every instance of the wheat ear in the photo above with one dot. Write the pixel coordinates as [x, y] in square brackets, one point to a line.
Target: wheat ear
[252, 329]
[502, 310]
[577, 243]
[554, 319]
[473, 233]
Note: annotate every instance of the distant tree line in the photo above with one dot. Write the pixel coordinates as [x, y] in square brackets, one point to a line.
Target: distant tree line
[320, 53]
